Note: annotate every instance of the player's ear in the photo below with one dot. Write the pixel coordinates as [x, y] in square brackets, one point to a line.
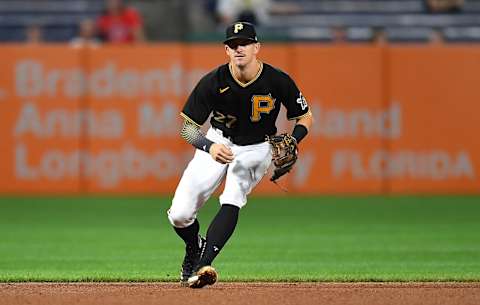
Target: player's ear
[226, 49]
[257, 47]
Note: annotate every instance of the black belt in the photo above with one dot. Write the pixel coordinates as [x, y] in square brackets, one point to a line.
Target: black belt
[243, 140]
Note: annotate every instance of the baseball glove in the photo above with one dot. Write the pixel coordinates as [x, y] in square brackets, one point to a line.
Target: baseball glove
[284, 154]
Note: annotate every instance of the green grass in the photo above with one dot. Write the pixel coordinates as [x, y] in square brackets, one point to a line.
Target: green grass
[277, 239]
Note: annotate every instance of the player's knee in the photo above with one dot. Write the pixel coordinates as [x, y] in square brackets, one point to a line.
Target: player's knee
[180, 218]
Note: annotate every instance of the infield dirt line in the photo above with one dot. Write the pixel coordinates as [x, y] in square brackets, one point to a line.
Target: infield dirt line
[430, 293]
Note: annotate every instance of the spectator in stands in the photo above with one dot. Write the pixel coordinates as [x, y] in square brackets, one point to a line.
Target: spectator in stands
[120, 23]
[253, 11]
[379, 37]
[339, 35]
[33, 34]
[87, 35]
[444, 6]
[210, 7]
[436, 37]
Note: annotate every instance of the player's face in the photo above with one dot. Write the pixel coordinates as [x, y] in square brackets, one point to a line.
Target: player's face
[242, 52]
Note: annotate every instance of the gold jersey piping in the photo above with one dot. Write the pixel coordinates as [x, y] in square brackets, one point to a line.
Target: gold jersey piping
[183, 115]
[251, 81]
[301, 116]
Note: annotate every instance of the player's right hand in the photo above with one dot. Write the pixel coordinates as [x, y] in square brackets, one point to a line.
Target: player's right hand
[221, 153]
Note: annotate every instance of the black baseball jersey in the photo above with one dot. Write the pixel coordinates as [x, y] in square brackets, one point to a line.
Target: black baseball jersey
[245, 113]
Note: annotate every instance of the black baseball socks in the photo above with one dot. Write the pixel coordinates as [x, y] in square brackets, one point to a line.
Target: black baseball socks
[189, 234]
[219, 232]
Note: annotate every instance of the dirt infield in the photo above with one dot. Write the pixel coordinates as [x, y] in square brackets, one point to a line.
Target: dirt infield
[240, 293]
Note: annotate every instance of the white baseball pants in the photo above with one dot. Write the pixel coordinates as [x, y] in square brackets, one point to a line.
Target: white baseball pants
[203, 175]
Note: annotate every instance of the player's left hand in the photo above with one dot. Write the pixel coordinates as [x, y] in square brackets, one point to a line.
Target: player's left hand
[284, 154]
[221, 153]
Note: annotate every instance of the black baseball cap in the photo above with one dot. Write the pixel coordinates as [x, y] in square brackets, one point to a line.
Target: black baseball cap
[241, 30]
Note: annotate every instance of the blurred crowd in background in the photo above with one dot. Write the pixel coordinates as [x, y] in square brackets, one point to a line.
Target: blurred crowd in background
[93, 22]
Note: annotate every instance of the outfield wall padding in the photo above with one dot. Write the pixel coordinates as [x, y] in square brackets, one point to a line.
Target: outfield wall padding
[388, 119]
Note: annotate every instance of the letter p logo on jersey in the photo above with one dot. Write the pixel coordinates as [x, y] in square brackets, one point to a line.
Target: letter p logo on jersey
[261, 104]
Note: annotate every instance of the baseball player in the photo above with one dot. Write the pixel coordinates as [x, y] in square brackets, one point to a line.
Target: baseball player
[244, 97]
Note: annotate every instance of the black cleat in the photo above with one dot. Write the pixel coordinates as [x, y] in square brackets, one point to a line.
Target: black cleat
[192, 256]
[207, 275]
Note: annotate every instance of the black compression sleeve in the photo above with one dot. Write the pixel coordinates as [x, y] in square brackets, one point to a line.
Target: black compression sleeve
[193, 135]
[299, 132]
